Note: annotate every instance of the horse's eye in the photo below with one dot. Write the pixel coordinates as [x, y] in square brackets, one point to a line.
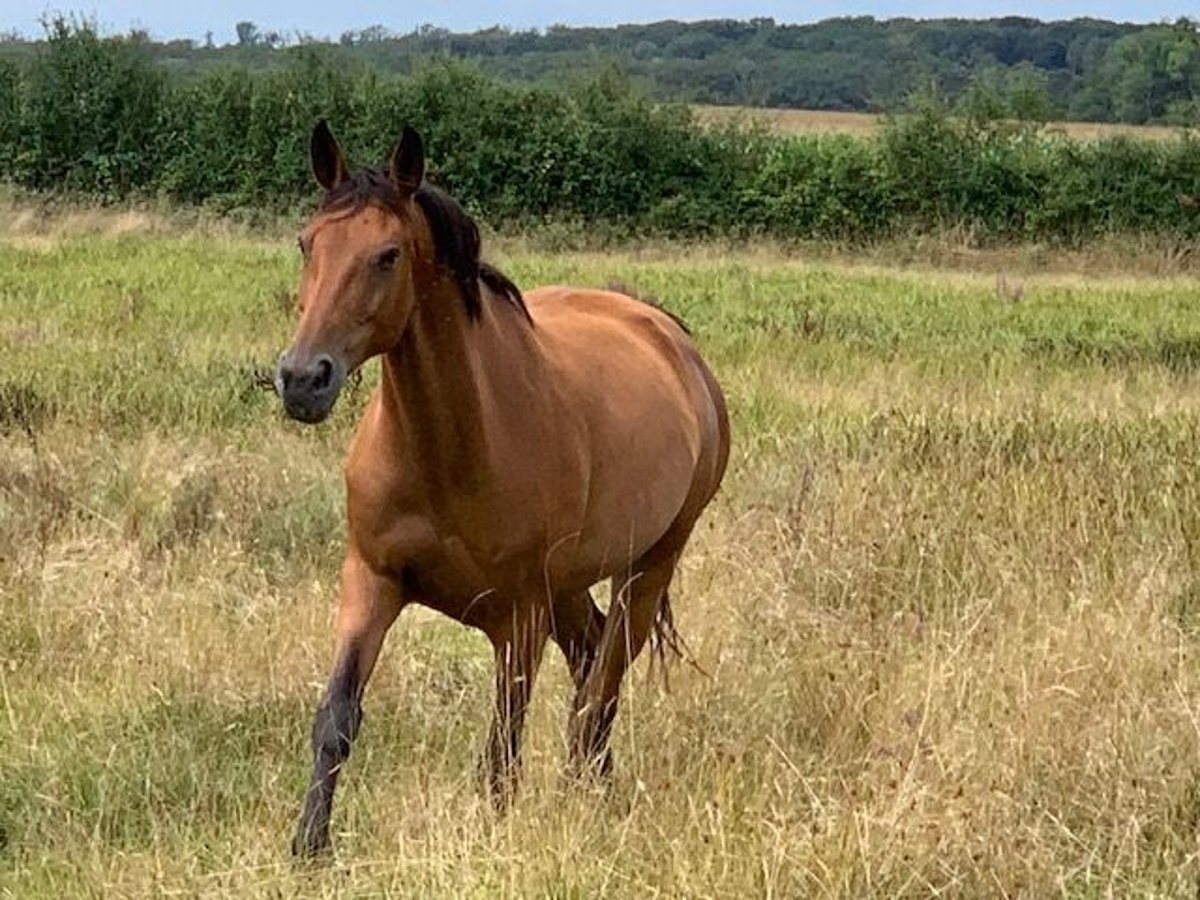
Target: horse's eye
[387, 259]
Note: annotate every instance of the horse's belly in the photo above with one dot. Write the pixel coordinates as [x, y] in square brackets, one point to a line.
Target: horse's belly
[633, 499]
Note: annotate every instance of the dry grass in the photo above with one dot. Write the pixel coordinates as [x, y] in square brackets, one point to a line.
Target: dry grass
[42, 223]
[946, 605]
[812, 121]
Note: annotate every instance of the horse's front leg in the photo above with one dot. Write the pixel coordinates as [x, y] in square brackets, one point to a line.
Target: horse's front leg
[368, 605]
[518, 645]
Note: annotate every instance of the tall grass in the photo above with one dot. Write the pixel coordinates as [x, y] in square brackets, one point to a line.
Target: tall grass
[944, 612]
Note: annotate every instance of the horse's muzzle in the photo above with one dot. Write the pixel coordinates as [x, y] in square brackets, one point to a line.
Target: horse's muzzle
[309, 386]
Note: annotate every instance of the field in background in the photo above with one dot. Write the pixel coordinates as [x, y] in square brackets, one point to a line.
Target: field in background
[946, 606]
[813, 121]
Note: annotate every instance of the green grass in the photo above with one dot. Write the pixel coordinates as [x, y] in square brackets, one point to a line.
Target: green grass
[945, 607]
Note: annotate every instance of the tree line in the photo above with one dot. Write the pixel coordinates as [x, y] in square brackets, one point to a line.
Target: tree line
[103, 118]
[1081, 69]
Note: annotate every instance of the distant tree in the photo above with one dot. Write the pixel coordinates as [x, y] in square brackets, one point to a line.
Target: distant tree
[1082, 68]
[749, 90]
[1151, 74]
[247, 34]
[695, 45]
[375, 34]
[985, 98]
[643, 50]
[1027, 89]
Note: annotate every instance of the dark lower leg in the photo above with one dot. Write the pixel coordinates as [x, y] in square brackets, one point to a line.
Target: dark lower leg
[518, 653]
[630, 620]
[368, 606]
[590, 753]
[334, 728]
[578, 629]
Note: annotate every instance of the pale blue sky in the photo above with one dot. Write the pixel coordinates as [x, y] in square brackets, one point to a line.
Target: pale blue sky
[329, 18]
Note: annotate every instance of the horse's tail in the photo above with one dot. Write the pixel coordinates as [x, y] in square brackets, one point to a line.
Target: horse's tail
[665, 638]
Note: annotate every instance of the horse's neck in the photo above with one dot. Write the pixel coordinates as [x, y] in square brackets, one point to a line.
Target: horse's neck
[436, 384]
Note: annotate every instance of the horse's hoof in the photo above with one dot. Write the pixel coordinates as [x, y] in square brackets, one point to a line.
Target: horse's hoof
[309, 847]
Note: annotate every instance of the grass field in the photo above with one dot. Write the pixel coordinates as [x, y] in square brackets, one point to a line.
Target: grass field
[813, 121]
[946, 607]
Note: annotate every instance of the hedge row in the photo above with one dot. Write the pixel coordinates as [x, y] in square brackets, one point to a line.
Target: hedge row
[93, 115]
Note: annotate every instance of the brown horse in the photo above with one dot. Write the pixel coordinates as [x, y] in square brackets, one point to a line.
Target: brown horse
[517, 451]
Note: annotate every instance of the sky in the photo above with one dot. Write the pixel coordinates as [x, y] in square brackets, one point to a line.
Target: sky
[165, 19]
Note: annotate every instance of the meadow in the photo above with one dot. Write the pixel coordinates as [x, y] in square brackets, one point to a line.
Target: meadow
[818, 121]
[943, 615]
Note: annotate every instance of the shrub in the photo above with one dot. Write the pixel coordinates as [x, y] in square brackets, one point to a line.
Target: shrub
[96, 116]
[90, 113]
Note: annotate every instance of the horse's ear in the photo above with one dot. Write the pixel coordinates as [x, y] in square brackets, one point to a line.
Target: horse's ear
[328, 164]
[406, 167]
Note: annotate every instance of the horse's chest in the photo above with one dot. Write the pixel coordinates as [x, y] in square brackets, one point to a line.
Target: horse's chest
[463, 556]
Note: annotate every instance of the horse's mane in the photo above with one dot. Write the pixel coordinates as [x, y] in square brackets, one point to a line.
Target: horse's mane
[456, 241]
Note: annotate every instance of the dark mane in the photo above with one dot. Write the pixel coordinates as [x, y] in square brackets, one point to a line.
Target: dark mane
[456, 241]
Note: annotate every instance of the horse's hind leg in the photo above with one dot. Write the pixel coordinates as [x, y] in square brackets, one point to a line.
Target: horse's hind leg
[518, 645]
[577, 627]
[630, 621]
[367, 607]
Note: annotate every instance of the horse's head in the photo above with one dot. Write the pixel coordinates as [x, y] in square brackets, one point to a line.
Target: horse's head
[357, 286]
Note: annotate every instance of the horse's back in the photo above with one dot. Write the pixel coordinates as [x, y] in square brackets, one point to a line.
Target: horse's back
[612, 341]
[606, 320]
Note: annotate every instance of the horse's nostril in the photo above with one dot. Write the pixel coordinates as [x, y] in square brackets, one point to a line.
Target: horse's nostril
[324, 373]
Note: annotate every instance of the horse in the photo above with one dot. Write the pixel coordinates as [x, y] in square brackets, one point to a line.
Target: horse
[518, 449]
